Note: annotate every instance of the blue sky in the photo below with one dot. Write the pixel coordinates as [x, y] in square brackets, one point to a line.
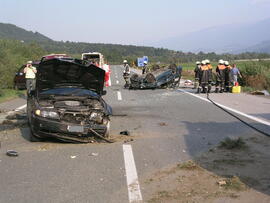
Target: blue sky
[126, 21]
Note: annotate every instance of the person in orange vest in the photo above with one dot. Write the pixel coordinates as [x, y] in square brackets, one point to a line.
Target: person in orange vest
[228, 79]
[204, 78]
[220, 72]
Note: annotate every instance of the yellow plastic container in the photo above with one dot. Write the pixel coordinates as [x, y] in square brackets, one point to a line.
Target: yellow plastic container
[236, 89]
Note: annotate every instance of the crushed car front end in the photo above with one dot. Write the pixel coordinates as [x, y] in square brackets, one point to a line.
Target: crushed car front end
[67, 106]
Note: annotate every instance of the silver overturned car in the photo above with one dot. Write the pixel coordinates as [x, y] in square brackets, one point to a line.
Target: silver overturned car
[67, 103]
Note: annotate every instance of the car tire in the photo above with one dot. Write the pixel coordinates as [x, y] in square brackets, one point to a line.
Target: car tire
[33, 138]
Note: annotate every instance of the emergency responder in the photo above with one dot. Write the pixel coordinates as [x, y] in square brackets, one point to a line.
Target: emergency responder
[204, 78]
[126, 73]
[209, 74]
[228, 78]
[197, 74]
[234, 74]
[220, 72]
[30, 76]
[145, 68]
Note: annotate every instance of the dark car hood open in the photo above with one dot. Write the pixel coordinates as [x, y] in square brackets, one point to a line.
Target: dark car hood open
[57, 73]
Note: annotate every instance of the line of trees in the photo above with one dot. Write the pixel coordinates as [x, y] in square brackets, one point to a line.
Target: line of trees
[15, 53]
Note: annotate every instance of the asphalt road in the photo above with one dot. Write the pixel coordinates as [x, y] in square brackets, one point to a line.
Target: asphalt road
[167, 127]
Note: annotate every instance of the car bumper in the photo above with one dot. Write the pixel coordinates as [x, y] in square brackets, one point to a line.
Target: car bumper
[43, 127]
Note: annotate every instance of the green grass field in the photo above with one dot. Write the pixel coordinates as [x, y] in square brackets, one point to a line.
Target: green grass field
[8, 94]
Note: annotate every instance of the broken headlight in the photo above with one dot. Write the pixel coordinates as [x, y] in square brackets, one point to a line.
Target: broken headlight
[47, 114]
[96, 116]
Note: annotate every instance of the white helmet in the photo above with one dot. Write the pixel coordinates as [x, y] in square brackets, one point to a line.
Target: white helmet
[207, 61]
[221, 61]
[198, 63]
[203, 62]
[125, 61]
[226, 63]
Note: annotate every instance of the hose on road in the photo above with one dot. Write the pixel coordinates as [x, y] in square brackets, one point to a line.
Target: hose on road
[238, 118]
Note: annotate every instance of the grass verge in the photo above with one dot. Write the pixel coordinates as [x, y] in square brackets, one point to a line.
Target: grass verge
[8, 94]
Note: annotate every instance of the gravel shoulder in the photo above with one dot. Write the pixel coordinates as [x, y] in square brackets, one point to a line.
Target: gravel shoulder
[219, 175]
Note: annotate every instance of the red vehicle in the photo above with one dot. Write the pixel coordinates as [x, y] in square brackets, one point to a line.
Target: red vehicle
[19, 79]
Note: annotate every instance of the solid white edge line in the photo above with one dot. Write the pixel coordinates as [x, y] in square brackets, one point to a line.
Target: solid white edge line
[21, 107]
[230, 109]
[119, 96]
[134, 192]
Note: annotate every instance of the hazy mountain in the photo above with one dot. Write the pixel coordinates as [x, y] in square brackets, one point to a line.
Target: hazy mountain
[9, 31]
[263, 47]
[225, 38]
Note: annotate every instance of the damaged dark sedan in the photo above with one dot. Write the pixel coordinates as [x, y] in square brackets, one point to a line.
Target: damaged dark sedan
[168, 77]
[67, 103]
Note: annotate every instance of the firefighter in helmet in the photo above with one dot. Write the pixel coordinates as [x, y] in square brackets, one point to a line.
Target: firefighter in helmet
[197, 74]
[204, 78]
[220, 72]
[228, 78]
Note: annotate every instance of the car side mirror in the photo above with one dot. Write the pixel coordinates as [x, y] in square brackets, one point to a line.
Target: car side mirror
[104, 92]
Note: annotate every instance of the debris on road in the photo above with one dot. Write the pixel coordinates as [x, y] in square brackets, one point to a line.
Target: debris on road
[73, 157]
[16, 116]
[94, 154]
[12, 153]
[263, 92]
[125, 132]
[188, 83]
[162, 124]
[221, 182]
[129, 140]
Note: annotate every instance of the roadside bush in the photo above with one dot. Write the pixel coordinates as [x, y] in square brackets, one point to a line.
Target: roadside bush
[256, 74]
[13, 54]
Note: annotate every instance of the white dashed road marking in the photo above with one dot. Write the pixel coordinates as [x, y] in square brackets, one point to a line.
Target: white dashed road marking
[230, 109]
[134, 192]
[117, 82]
[119, 96]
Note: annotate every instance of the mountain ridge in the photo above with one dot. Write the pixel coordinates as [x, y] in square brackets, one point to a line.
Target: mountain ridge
[227, 38]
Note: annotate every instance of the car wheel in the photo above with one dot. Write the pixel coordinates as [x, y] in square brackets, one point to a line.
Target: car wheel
[33, 138]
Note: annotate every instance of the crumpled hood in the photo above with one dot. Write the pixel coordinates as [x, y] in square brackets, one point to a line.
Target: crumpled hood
[63, 73]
